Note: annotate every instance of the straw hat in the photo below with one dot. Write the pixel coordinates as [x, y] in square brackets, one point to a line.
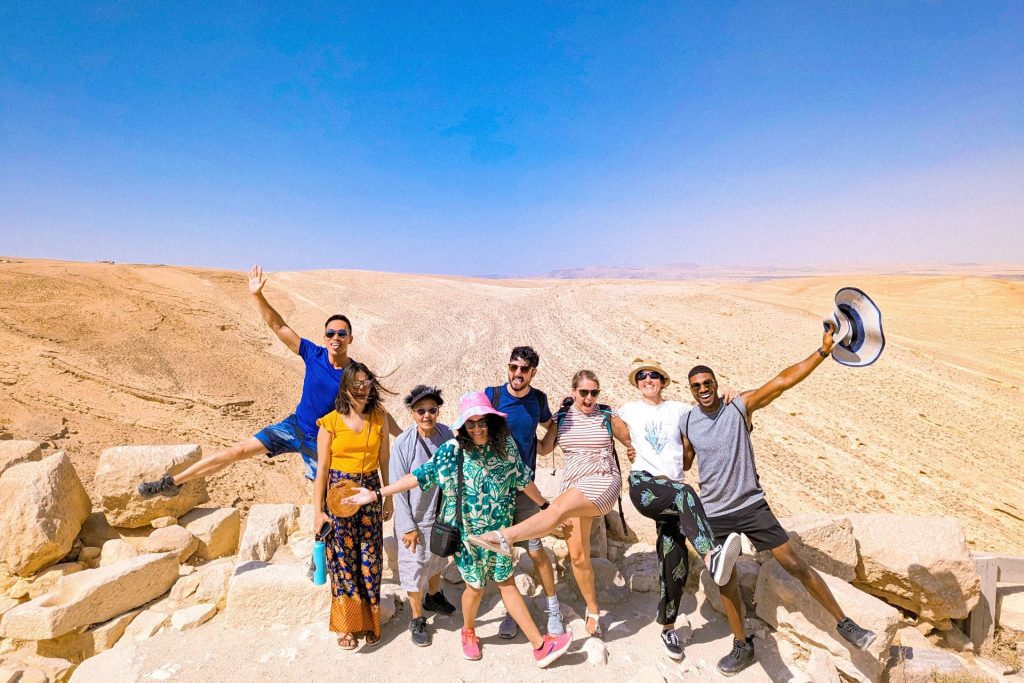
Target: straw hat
[858, 328]
[474, 404]
[641, 364]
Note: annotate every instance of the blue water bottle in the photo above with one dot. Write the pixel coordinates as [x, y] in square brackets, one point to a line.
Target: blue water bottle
[320, 562]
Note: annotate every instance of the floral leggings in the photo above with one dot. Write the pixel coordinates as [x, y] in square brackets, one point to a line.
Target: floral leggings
[678, 513]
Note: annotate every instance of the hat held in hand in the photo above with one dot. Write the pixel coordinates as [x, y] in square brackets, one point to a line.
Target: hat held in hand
[857, 325]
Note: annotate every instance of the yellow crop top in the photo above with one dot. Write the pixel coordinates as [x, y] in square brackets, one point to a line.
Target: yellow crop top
[354, 452]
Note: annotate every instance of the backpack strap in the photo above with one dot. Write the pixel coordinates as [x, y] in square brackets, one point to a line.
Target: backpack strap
[746, 418]
[493, 393]
[606, 411]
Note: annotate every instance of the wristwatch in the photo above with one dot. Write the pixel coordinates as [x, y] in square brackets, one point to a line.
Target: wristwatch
[823, 353]
[380, 496]
[545, 505]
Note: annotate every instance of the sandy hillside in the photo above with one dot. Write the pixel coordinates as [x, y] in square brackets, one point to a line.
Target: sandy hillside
[95, 355]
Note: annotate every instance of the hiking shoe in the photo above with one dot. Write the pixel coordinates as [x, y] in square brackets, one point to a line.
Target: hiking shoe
[551, 649]
[740, 658]
[436, 602]
[470, 645]
[671, 642]
[861, 638]
[419, 633]
[555, 627]
[723, 559]
[161, 487]
[508, 628]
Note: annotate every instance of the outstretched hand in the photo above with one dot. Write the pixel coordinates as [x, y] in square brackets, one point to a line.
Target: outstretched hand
[360, 497]
[827, 340]
[256, 280]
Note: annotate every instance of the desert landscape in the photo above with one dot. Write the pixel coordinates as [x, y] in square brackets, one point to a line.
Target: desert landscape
[99, 354]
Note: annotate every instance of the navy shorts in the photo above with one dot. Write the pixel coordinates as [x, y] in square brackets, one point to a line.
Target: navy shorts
[755, 521]
[287, 437]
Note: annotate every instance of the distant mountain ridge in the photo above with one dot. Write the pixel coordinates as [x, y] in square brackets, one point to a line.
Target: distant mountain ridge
[695, 271]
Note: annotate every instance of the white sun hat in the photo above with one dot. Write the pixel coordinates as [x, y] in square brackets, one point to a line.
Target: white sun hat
[858, 328]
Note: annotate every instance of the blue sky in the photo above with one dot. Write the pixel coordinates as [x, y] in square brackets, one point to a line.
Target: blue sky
[486, 138]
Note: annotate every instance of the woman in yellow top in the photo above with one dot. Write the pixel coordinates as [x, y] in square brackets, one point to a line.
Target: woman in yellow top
[352, 444]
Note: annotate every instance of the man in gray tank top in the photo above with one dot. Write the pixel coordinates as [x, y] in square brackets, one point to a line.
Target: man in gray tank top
[719, 435]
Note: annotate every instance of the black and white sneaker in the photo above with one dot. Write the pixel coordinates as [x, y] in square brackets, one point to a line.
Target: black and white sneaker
[161, 487]
[741, 656]
[671, 642]
[861, 638]
[418, 632]
[723, 559]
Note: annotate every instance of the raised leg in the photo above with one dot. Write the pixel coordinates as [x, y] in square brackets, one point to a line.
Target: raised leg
[210, 465]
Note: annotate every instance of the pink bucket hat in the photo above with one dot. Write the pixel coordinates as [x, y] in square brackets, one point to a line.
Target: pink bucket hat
[474, 404]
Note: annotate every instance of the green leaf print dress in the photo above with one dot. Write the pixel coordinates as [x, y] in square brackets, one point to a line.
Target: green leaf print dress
[491, 479]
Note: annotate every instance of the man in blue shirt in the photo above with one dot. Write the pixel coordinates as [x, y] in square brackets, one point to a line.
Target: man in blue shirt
[527, 408]
[297, 432]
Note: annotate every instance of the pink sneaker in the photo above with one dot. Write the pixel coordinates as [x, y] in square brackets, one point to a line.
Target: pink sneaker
[553, 648]
[470, 645]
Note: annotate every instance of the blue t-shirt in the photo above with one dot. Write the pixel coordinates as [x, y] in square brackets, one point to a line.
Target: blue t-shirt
[319, 387]
[524, 414]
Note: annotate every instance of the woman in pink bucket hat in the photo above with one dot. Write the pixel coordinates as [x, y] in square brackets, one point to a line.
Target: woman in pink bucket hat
[479, 472]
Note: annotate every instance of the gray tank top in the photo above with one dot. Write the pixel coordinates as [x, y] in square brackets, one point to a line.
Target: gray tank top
[728, 477]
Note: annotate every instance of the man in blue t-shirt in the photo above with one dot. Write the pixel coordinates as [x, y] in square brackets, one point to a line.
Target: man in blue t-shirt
[297, 432]
[527, 408]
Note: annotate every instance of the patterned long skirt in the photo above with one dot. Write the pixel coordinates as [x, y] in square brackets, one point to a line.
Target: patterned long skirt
[354, 563]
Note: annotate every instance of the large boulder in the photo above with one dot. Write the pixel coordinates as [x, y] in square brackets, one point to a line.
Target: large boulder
[44, 505]
[926, 665]
[115, 550]
[77, 646]
[218, 530]
[266, 529]
[16, 452]
[91, 596]
[787, 606]
[825, 542]
[96, 531]
[122, 468]
[265, 594]
[172, 539]
[918, 563]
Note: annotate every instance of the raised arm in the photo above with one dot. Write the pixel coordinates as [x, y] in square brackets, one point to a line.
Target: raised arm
[270, 316]
[788, 378]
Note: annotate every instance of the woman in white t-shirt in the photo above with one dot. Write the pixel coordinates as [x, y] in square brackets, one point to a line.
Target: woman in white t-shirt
[657, 490]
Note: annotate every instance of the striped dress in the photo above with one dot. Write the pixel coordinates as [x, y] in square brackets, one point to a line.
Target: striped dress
[588, 458]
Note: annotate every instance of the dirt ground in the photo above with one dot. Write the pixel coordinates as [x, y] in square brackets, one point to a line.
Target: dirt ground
[94, 355]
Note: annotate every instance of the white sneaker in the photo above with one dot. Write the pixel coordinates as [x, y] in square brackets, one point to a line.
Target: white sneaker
[723, 559]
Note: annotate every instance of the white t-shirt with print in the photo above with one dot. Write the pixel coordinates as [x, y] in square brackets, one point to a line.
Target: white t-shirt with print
[654, 431]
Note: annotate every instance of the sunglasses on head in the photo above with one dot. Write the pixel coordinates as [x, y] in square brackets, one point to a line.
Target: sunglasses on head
[649, 374]
[330, 333]
[477, 424]
[589, 392]
[515, 367]
[423, 411]
[707, 384]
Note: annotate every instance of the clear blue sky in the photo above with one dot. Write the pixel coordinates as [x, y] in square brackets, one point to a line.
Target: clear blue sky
[486, 138]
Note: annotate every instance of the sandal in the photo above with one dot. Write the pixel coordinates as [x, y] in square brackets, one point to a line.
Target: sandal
[347, 641]
[501, 547]
[598, 632]
[370, 639]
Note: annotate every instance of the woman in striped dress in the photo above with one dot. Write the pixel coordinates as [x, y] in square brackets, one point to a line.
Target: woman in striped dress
[590, 485]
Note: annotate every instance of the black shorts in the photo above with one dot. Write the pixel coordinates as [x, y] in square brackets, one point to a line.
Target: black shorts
[756, 521]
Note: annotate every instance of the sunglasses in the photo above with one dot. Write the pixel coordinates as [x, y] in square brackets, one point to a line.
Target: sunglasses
[707, 384]
[589, 392]
[361, 383]
[341, 333]
[477, 424]
[649, 374]
[515, 367]
[423, 411]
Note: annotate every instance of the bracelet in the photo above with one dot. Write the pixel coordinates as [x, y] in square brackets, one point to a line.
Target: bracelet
[545, 505]
[823, 353]
[380, 496]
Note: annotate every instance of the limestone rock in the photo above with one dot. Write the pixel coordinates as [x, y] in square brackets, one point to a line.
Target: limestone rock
[918, 563]
[44, 507]
[172, 539]
[597, 652]
[7, 604]
[824, 541]
[615, 528]
[820, 667]
[116, 550]
[122, 468]
[389, 602]
[16, 452]
[96, 531]
[213, 583]
[924, 665]
[641, 528]
[217, 529]
[598, 539]
[91, 596]
[526, 585]
[163, 522]
[46, 580]
[266, 528]
[787, 606]
[38, 669]
[90, 556]
[145, 625]
[191, 617]
[77, 646]
[746, 569]
[610, 584]
[184, 587]
[265, 594]
[389, 571]
[640, 568]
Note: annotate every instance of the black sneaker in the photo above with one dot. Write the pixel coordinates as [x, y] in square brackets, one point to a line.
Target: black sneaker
[418, 632]
[861, 638]
[671, 642]
[740, 658]
[436, 602]
[161, 487]
[723, 559]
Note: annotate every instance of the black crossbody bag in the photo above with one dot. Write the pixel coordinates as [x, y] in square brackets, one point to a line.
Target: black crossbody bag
[446, 539]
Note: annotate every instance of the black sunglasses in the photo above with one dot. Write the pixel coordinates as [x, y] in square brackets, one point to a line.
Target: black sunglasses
[589, 392]
[649, 374]
[423, 411]
[707, 384]
[341, 333]
[513, 367]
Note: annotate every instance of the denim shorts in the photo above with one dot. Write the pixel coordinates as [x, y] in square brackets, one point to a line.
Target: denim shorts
[287, 437]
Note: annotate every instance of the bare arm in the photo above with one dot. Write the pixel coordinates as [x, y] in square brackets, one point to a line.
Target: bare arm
[270, 316]
[323, 465]
[393, 427]
[384, 456]
[620, 430]
[547, 443]
[788, 378]
[534, 494]
[363, 496]
[688, 454]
